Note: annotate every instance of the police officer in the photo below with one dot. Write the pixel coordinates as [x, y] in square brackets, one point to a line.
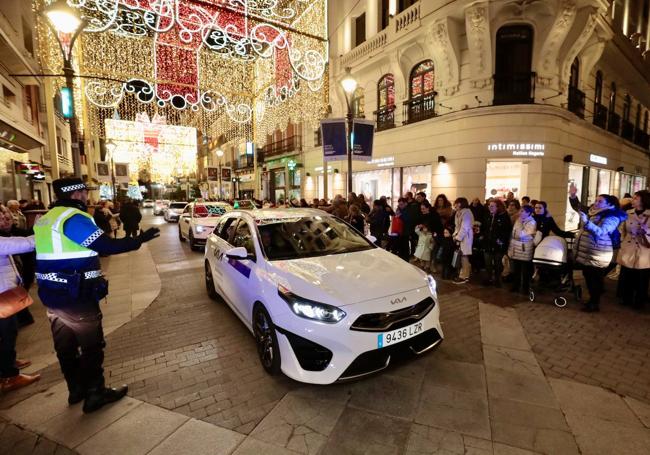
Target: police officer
[71, 284]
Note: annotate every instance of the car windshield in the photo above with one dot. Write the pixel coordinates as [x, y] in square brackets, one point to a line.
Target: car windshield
[304, 237]
[210, 210]
[177, 205]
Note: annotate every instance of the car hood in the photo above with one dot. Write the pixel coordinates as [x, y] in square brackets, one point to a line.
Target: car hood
[345, 279]
[209, 221]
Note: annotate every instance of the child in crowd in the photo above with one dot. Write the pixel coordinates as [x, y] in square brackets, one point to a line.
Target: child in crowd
[424, 248]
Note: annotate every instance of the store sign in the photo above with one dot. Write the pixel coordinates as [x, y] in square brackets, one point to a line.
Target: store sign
[517, 149]
[598, 159]
[363, 132]
[334, 141]
[387, 161]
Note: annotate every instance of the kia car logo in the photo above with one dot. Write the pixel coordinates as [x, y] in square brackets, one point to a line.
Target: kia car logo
[398, 300]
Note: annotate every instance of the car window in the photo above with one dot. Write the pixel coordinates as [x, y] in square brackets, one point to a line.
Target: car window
[226, 229]
[243, 237]
[177, 205]
[187, 210]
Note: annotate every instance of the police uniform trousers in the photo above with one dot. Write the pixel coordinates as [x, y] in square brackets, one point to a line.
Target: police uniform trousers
[79, 343]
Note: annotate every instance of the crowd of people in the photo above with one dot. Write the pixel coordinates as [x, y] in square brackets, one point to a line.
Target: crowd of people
[496, 240]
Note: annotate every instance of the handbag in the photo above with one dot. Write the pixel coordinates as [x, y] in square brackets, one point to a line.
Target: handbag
[456, 259]
[15, 299]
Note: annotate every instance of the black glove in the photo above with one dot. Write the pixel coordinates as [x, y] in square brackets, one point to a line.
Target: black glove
[149, 234]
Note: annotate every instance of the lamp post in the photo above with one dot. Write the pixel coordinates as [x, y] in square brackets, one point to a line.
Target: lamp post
[219, 153]
[349, 85]
[111, 147]
[65, 20]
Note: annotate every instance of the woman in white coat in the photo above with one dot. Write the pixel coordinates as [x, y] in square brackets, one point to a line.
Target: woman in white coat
[634, 255]
[9, 279]
[520, 250]
[463, 237]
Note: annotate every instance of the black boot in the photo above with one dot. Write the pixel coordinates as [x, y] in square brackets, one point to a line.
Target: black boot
[96, 398]
[76, 396]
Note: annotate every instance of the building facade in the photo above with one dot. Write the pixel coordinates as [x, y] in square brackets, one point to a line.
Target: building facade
[478, 98]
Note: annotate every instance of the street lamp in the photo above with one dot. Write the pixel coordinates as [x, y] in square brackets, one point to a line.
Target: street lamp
[65, 20]
[111, 147]
[219, 153]
[349, 85]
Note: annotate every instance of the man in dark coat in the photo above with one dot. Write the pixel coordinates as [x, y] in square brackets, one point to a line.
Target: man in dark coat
[131, 217]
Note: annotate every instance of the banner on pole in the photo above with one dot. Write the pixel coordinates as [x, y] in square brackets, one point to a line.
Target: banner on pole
[103, 171]
[363, 132]
[122, 172]
[334, 141]
[213, 174]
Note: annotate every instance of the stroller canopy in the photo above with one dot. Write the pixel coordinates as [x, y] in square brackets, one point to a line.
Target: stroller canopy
[551, 251]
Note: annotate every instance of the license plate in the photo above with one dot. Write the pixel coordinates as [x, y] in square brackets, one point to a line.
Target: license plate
[395, 336]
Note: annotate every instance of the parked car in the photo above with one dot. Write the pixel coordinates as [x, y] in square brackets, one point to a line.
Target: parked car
[173, 212]
[147, 204]
[322, 301]
[159, 206]
[199, 219]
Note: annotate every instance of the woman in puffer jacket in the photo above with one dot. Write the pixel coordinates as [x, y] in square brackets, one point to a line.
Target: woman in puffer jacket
[520, 250]
[594, 249]
[9, 366]
[464, 237]
[634, 256]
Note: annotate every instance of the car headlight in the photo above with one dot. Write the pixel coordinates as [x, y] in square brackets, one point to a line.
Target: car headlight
[433, 287]
[200, 229]
[309, 309]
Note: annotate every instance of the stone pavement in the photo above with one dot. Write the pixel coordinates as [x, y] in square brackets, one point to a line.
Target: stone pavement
[492, 387]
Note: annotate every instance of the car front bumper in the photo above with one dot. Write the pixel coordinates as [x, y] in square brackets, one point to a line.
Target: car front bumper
[353, 353]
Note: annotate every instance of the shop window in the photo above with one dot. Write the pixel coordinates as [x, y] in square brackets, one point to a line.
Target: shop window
[421, 81]
[502, 177]
[576, 176]
[417, 178]
[359, 29]
[514, 82]
[357, 103]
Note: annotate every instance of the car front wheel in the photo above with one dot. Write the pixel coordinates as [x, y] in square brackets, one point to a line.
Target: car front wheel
[180, 235]
[266, 340]
[209, 282]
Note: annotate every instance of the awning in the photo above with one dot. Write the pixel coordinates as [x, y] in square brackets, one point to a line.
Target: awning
[14, 139]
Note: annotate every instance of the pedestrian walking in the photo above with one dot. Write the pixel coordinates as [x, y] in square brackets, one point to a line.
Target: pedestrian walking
[495, 238]
[11, 379]
[71, 284]
[131, 217]
[463, 236]
[634, 256]
[520, 250]
[596, 241]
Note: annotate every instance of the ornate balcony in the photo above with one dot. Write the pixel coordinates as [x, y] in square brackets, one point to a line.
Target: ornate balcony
[577, 102]
[385, 117]
[600, 116]
[614, 123]
[642, 139]
[518, 88]
[420, 108]
[285, 145]
[627, 131]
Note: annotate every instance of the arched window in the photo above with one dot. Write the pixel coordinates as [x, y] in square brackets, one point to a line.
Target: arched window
[612, 98]
[422, 79]
[627, 104]
[386, 91]
[513, 77]
[598, 90]
[358, 103]
[575, 73]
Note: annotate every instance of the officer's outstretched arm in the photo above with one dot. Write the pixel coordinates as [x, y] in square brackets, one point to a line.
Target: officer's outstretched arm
[85, 232]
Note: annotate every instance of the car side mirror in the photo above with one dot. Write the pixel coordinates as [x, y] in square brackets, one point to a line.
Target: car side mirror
[371, 237]
[238, 252]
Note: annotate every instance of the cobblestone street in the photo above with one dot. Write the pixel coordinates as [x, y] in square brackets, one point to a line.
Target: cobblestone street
[512, 377]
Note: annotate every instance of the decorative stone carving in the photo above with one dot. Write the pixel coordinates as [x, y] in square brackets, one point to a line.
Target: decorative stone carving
[549, 54]
[588, 26]
[444, 43]
[477, 28]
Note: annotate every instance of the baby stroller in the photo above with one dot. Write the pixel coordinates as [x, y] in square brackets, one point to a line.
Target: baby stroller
[555, 266]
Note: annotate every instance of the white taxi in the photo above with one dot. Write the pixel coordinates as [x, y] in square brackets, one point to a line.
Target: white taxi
[323, 302]
[199, 219]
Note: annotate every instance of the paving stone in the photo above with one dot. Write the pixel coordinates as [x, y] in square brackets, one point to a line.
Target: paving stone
[592, 401]
[425, 440]
[387, 394]
[521, 387]
[503, 449]
[199, 438]
[454, 410]
[135, 433]
[38, 409]
[514, 360]
[501, 327]
[463, 376]
[532, 427]
[597, 436]
[381, 434]
[85, 425]
[299, 424]
[642, 410]
[254, 447]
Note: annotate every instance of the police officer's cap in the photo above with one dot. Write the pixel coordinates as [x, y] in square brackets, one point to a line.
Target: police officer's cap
[63, 188]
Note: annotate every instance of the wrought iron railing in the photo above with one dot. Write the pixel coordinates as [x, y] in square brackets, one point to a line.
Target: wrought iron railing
[642, 139]
[614, 123]
[627, 130]
[285, 145]
[517, 88]
[600, 115]
[385, 117]
[577, 102]
[420, 108]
